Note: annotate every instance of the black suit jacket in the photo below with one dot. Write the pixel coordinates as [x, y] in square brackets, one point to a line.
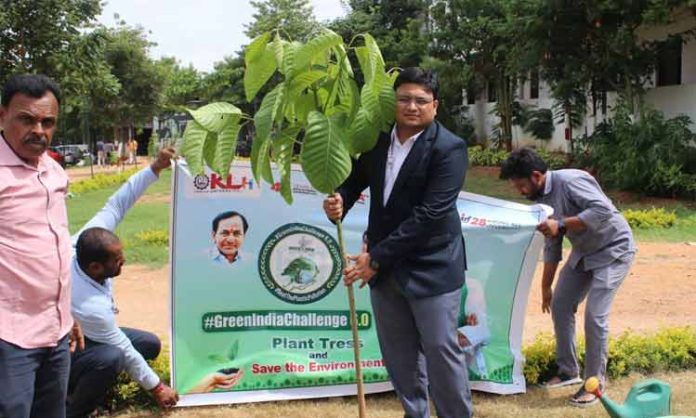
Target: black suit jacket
[417, 234]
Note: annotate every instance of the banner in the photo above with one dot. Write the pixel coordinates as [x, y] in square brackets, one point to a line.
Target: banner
[259, 311]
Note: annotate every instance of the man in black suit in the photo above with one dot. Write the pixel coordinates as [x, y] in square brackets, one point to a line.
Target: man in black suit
[414, 260]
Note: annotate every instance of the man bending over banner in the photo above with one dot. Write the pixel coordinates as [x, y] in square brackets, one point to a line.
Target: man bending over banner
[415, 260]
[97, 259]
[601, 256]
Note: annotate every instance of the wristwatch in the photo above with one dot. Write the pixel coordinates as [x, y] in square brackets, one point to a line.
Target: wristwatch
[561, 226]
[374, 265]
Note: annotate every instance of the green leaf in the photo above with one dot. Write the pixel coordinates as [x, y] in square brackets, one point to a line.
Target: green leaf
[226, 148]
[303, 105]
[370, 59]
[374, 54]
[192, 146]
[369, 100]
[263, 120]
[316, 49]
[302, 81]
[209, 150]
[278, 45]
[349, 96]
[368, 71]
[343, 60]
[261, 159]
[215, 116]
[363, 133]
[257, 47]
[325, 158]
[260, 60]
[387, 103]
[290, 50]
[283, 148]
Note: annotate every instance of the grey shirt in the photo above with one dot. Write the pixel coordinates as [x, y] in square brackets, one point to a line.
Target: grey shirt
[607, 236]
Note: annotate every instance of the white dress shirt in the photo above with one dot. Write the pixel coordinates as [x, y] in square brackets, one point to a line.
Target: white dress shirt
[395, 159]
[92, 303]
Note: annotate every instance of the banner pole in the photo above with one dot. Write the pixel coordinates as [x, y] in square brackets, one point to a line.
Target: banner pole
[354, 328]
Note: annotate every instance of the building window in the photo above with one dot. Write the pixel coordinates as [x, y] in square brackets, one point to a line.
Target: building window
[534, 85]
[669, 63]
[492, 97]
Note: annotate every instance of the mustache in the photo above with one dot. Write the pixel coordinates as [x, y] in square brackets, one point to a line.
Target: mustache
[35, 138]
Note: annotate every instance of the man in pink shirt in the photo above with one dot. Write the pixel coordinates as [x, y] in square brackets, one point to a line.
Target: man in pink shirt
[35, 320]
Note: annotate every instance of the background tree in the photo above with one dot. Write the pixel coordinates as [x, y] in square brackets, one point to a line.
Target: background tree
[588, 48]
[399, 26]
[182, 84]
[482, 36]
[34, 33]
[294, 18]
[126, 53]
[404, 31]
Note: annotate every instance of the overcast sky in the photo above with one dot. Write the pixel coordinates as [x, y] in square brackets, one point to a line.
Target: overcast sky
[200, 32]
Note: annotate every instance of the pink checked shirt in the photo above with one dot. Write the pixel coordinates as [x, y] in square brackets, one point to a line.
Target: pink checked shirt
[34, 251]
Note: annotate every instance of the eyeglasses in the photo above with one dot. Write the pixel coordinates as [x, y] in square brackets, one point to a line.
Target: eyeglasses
[405, 101]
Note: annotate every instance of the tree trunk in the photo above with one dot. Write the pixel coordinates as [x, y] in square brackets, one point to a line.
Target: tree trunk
[505, 110]
[567, 109]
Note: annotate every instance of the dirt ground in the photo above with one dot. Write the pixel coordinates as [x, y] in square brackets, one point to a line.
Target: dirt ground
[660, 291]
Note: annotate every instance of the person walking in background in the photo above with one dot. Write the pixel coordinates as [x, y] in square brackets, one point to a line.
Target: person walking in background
[602, 253]
[108, 152]
[37, 331]
[132, 151]
[101, 158]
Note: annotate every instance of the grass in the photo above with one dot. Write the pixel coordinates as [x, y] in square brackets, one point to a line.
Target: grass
[152, 213]
[535, 403]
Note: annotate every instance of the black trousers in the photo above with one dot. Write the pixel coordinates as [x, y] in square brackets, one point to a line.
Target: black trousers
[33, 382]
[94, 370]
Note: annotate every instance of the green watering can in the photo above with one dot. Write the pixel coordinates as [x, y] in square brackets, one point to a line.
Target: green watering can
[649, 398]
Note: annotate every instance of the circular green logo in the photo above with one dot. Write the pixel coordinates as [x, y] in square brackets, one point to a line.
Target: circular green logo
[300, 263]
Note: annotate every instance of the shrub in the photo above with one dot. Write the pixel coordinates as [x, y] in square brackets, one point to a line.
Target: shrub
[554, 160]
[128, 393]
[113, 158]
[670, 349]
[652, 155]
[491, 157]
[101, 181]
[157, 237]
[486, 156]
[650, 218]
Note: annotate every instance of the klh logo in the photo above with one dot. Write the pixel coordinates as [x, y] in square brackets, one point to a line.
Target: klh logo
[215, 182]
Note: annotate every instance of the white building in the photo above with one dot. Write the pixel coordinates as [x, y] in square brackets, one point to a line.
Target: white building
[672, 90]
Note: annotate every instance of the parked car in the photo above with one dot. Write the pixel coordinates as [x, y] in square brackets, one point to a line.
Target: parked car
[72, 153]
[56, 155]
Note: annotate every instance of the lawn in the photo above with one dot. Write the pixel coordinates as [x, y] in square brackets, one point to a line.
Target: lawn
[536, 403]
[152, 213]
